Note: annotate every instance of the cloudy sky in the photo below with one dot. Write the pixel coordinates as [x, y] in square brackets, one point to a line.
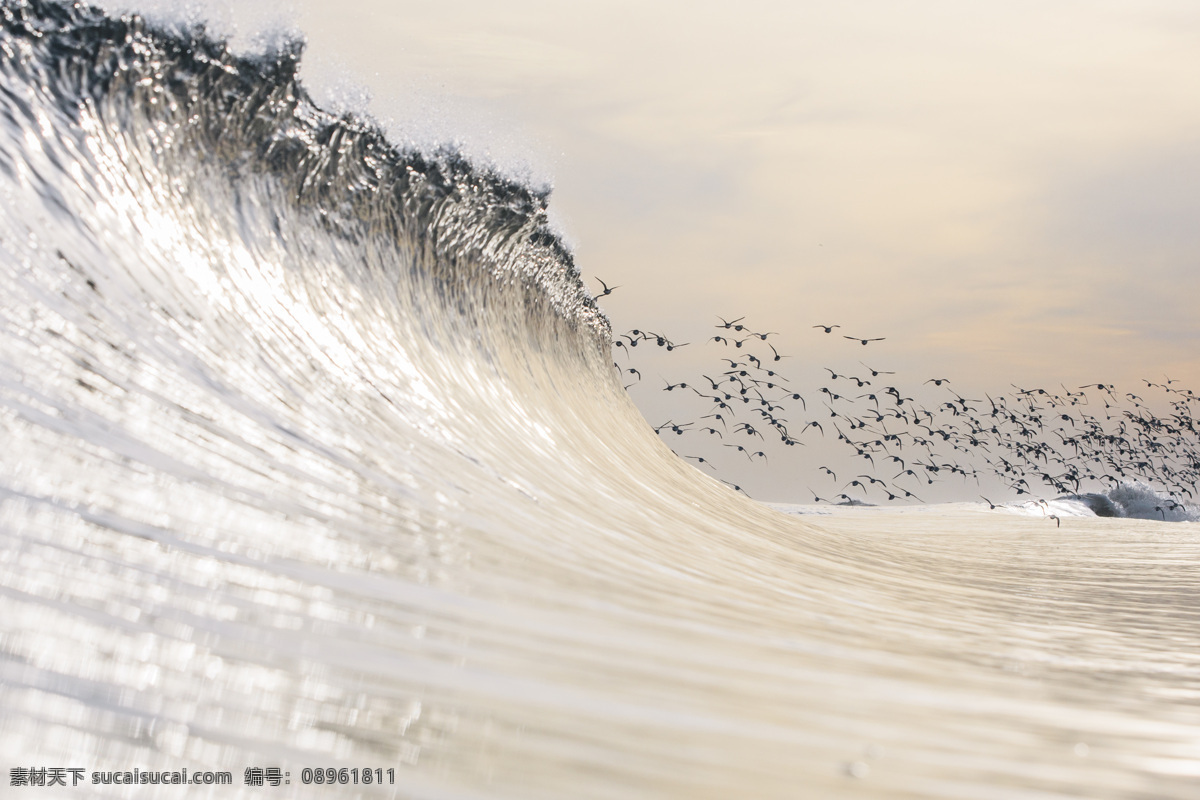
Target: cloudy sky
[1001, 190]
[1009, 193]
[1004, 191]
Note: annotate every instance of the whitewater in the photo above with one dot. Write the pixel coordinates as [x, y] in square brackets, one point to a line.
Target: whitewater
[314, 457]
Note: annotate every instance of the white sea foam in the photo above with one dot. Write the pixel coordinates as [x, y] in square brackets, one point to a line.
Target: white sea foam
[1128, 500]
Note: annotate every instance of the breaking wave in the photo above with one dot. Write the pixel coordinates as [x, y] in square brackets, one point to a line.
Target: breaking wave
[314, 457]
[1134, 501]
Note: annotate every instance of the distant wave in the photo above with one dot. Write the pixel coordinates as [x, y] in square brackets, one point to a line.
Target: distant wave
[1135, 501]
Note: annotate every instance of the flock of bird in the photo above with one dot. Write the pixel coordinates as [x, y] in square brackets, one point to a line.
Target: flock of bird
[1032, 440]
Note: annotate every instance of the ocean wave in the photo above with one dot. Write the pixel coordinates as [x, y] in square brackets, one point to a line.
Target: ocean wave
[314, 456]
[1135, 501]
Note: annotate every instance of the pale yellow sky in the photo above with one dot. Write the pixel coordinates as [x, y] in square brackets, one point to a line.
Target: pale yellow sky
[1007, 192]
[966, 179]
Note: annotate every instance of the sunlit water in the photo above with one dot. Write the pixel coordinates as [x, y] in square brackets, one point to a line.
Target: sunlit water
[312, 457]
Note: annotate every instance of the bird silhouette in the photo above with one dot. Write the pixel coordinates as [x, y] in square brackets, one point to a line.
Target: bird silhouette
[607, 289]
[875, 373]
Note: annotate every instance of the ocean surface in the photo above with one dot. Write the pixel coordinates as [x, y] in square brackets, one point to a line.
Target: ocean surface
[313, 457]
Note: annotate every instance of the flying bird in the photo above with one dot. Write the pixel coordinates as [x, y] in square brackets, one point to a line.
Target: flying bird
[875, 373]
[731, 324]
[607, 289]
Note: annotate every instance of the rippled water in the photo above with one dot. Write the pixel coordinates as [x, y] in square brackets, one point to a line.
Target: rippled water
[312, 457]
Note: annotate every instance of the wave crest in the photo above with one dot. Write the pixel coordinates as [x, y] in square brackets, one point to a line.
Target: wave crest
[184, 102]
